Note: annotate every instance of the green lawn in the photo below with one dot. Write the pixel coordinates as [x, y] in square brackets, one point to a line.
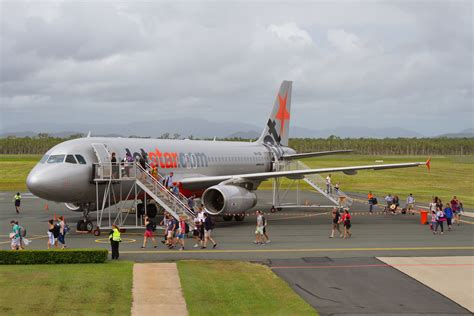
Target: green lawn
[66, 289]
[237, 288]
[14, 169]
[449, 175]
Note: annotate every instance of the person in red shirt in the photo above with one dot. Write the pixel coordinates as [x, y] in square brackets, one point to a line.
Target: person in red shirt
[181, 231]
[346, 220]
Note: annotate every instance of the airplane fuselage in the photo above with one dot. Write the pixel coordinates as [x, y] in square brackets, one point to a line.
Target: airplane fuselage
[65, 173]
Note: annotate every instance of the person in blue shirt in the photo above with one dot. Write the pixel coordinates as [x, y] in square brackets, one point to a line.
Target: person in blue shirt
[448, 213]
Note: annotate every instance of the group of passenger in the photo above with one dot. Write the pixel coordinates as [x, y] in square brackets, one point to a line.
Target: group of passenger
[57, 233]
[441, 213]
[176, 231]
[337, 219]
[392, 204]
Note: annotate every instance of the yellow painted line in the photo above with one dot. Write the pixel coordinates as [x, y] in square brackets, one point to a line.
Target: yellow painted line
[298, 250]
[107, 240]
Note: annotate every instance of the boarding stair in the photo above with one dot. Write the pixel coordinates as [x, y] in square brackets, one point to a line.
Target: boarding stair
[175, 205]
[318, 183]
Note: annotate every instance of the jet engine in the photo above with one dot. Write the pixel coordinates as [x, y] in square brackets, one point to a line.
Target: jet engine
[228, 198]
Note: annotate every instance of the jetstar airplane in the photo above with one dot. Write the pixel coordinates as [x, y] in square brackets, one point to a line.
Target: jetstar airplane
[224, 174]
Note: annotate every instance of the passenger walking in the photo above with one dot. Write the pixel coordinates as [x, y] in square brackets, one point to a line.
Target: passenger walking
[448, 213]
[190, 202]
[411, 204]
[208, 226]
[168, 181]
[164, 223]
[389, 201]
[15, 236]
[336, 217]
[62, 231]
[372, 201]
[455, 206]
[259, 229]
[170, 231]
[265, 234]
[433, 221]
[197, 232]
[202, 219]
[440, 219]
[115, 239]
[346, 219]
[336, 188]
[52, 234]
[150, 226]
[396, 203]
[181, 232]
[17, 199]
[115, 167]
[328, 185]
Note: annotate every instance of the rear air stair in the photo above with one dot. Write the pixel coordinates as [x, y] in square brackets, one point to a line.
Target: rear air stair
[319, 184]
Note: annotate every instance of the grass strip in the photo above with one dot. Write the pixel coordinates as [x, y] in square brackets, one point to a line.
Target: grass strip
[237, 288]
[80, 289]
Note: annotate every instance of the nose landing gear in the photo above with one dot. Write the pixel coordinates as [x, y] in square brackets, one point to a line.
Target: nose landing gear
[85, 224]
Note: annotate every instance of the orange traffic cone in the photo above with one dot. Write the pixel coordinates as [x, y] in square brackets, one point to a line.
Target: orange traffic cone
[54, 216]
[46, 207]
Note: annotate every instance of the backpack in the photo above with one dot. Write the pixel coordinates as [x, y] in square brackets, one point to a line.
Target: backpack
[22, 231]
[66, 228]
[374, 201]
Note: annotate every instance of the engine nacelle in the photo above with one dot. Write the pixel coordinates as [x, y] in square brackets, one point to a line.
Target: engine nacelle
[73, 207]
[228, 198]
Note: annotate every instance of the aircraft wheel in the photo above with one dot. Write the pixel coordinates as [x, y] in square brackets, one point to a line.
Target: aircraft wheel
[81, 226]
[273, 209]
[96, 232]
[88, 226]
[239, 217]
[279, 209]
[227, 218]
[151, 210]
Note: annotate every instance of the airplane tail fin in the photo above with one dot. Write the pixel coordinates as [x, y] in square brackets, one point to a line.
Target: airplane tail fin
[278, 124]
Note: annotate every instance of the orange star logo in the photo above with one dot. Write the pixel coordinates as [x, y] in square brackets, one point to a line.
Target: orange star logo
[282, 114]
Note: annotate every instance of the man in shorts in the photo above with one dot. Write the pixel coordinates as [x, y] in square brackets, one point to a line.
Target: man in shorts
[259, 229]
[181, 231]
[15, 236]
[171, 230]
[410, 204]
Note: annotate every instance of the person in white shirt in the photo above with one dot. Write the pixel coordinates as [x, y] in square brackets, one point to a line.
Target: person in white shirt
[411, 204]
[328, 184]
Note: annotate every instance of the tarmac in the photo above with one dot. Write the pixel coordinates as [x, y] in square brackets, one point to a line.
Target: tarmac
[299, 237]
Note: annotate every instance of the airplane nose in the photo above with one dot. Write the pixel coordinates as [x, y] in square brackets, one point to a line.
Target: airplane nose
[37, 184]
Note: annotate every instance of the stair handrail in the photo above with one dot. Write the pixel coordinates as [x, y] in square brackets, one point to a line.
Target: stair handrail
[162, 188]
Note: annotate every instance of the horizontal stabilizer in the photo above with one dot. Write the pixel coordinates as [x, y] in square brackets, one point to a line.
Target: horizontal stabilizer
[315, 154]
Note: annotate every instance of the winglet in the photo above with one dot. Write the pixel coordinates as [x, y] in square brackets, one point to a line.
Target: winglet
[428, 163]
[88, 134]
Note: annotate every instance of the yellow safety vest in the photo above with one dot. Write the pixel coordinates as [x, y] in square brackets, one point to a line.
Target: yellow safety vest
[17, 197]
[115, 235]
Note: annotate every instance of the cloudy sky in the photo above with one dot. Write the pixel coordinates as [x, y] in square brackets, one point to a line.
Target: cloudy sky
[397, 63]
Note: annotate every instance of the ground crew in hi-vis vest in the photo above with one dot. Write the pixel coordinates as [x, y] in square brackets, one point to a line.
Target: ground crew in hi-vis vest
[17, 199]
[115, 240]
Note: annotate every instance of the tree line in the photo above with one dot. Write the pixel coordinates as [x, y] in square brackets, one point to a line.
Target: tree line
[363, 146]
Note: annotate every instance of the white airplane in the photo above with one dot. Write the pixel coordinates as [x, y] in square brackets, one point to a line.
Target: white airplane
[224, 174]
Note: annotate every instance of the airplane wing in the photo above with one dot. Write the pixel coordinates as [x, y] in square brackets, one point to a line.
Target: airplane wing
[314, 154]
[294, 174]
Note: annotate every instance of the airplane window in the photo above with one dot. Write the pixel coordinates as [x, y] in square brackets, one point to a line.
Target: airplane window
[44, 159]
[56, 158]
[81, 159]
[70, 159]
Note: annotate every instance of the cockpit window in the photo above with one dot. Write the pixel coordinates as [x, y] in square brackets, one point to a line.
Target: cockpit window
[56, 158]
[43, 160]
[81, 159]
[70, 159]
